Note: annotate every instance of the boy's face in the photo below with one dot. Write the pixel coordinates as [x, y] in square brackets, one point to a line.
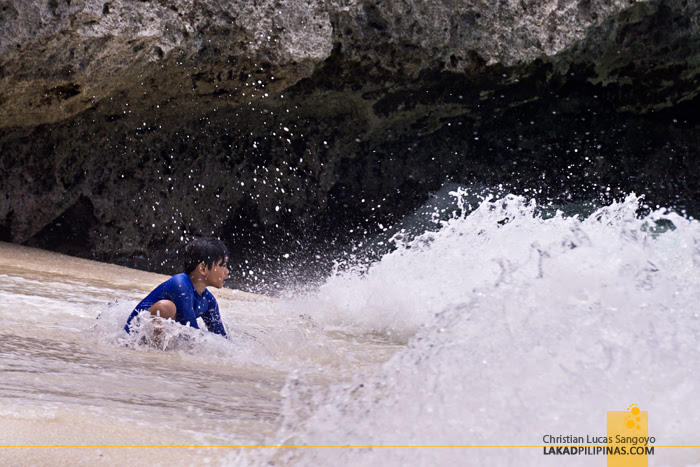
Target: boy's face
[217, 274]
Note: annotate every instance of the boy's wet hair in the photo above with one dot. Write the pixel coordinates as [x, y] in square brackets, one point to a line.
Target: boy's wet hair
[204, 250]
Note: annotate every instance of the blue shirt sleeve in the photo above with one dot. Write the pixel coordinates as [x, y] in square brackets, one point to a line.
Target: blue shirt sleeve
[212, 317]
[180, 291]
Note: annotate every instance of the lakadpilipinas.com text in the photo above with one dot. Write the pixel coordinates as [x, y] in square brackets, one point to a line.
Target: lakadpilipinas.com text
[598, 445]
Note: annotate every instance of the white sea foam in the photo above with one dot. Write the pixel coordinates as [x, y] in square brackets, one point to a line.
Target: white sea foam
[520, 326]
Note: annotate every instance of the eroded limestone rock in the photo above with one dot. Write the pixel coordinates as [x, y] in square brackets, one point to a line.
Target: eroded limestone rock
[127, 126]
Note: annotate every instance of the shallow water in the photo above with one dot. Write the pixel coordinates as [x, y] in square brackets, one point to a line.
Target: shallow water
[63, 356]
[492, 325]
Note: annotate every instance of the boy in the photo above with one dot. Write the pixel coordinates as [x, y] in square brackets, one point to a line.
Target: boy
[184, 297]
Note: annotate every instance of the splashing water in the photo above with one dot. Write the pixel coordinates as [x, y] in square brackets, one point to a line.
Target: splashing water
[519, 325]
[493, 326]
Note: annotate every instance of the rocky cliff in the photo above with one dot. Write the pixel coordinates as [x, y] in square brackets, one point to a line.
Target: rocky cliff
[127, 126]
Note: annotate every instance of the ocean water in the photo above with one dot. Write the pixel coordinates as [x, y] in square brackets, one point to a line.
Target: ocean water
[480, 321]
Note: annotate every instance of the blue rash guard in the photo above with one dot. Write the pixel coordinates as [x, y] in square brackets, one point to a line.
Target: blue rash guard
[190, 305]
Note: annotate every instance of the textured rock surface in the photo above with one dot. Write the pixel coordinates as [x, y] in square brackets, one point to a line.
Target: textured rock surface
[128, 125]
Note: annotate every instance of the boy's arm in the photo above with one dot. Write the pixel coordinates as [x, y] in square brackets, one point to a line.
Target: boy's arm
[212, 318]
[181, 296]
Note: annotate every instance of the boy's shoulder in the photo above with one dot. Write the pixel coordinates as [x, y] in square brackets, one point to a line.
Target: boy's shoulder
[209, 296]
[179, 280]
